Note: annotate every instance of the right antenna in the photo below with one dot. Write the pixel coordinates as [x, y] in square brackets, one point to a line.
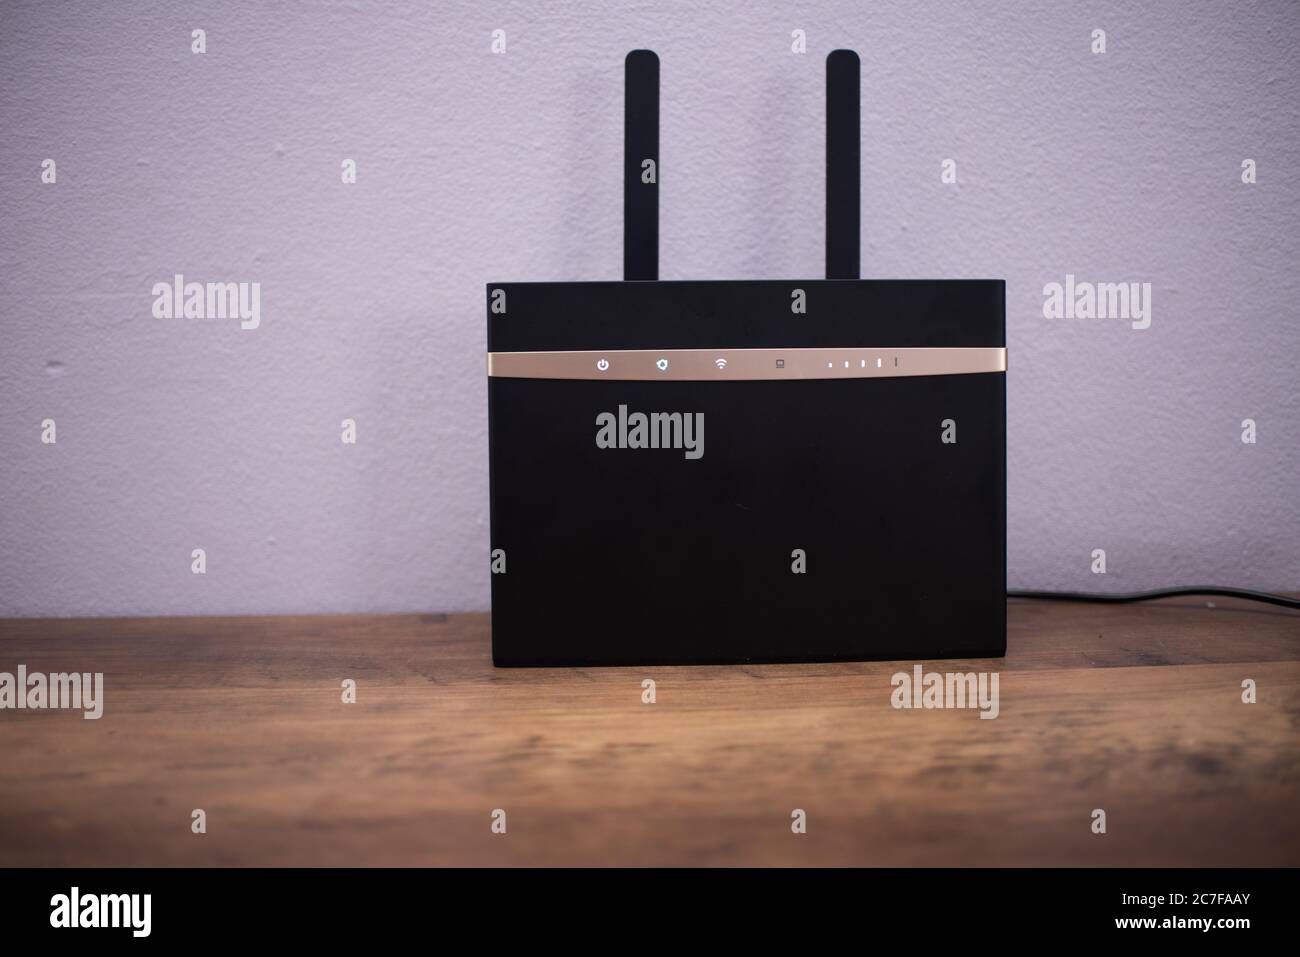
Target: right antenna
[843, 165]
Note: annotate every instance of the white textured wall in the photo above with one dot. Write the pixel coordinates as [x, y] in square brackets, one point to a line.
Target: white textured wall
[475, 167]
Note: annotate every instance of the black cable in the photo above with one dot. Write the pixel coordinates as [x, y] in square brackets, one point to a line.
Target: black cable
[1116, 598]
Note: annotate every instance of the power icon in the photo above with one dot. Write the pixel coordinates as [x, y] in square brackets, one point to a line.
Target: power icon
[602, 364]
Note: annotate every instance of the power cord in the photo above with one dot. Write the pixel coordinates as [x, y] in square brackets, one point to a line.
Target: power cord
[1115, 598]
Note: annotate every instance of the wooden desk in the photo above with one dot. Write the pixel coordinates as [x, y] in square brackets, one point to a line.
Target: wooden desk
[1134, 709]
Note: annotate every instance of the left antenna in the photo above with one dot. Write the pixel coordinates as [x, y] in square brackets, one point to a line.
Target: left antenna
[641, 165]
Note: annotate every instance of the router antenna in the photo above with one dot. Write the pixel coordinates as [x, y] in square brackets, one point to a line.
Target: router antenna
[843, 165]
[641, 165]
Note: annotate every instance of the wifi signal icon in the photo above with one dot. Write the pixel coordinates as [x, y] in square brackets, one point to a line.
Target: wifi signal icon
[720, 363]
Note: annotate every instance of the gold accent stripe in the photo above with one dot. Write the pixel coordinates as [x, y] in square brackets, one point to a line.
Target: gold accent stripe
[721, 365]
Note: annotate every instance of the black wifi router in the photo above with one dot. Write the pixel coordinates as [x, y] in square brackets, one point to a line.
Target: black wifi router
[746, 471]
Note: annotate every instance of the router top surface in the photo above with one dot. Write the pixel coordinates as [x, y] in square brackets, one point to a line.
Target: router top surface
[719, 314]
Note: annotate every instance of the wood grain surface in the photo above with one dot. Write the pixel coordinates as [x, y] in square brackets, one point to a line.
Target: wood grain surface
[1133, 709]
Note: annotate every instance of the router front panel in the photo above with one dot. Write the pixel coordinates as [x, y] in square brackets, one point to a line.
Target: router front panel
[837, 507]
